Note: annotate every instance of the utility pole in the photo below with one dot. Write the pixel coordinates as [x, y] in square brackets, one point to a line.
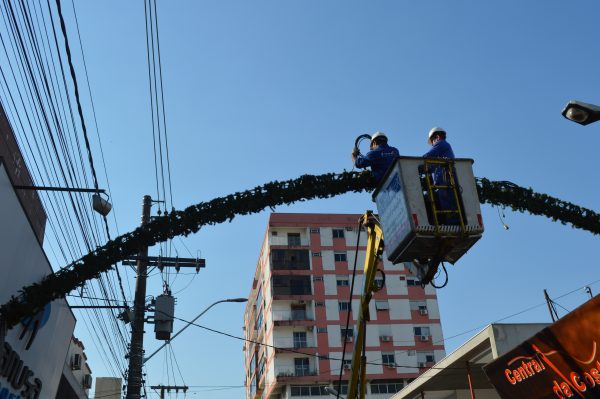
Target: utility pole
[169, 388]
[143, 261]
[136, 350]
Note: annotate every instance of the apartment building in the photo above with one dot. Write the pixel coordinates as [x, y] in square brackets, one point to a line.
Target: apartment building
[295, 320]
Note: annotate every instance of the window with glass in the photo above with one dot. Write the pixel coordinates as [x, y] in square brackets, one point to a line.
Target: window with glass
[306, 390]
[347, 333]
[340, 257]
[298, 312]
[382, 387]
[382, 305]
[293, 239]
[388, 358]
[344, 306]
[342, 389]
[338, 233]
[300, 340]
[411, 282]
[342, 281]
[301, 366]
[422, 331]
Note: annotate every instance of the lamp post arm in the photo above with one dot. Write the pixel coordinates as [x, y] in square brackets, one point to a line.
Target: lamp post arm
[186, 326]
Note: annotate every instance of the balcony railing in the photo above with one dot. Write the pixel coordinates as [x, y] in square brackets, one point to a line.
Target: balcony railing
[292, 316]
[284, 241]
[297, 373]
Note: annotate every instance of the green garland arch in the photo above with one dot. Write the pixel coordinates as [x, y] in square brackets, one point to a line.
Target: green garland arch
[32, 298]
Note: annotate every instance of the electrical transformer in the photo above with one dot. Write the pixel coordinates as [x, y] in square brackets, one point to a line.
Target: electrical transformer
[164, 310]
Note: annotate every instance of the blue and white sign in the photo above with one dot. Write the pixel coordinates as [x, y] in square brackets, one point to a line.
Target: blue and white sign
[393, 213]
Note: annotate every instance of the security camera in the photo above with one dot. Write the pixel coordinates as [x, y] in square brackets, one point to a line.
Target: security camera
[101, 205]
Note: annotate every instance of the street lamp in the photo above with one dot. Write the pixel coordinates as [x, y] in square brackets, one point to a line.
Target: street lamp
[582, 113]
[333, 392]
[192, 322]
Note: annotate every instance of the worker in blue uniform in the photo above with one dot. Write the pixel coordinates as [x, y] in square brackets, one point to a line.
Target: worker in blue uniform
[440, 148]
[444, 197]
[379, 158]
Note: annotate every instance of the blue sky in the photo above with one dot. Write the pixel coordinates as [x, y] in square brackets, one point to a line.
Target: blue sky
[266, 90]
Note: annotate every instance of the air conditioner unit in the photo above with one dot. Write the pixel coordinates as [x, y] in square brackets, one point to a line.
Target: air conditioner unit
[87, 381]
[424, 337]
[76, 362]
[423, 312]
[422, 365]
[385, 338]
[346, 366]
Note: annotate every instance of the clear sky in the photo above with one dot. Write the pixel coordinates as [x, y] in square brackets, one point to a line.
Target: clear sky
[266, 90]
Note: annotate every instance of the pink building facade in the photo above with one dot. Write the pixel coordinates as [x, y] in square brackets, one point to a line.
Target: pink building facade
[295, 319]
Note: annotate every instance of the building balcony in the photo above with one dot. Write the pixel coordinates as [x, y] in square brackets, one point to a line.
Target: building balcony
[297, 318]
[307, 349]
[290, 259]
[286, 242]
[297, 376]
[284, 296]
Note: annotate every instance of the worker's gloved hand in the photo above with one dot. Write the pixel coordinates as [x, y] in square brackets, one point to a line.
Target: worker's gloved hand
[355, 152]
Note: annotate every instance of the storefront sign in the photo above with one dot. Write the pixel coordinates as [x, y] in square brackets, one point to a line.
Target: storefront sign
[561, 361]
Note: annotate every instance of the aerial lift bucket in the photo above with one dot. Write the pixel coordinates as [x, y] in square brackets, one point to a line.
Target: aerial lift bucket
[411, 222]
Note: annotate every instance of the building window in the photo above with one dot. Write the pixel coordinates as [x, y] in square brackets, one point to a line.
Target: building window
[429, 358]
[422, 331]
[342, 281]
[338, 233]
[344, 306]
[293, 239]
[319, 303]
[300, 340]
[321, 329]
[301, 366]
[347, 362]
[342, 389]
[347, 333]
[299, 312]
[389, 359]
[273, 233]
[381, 387]
[306, 390]
[340, 257]
[315, 230]
[316, 254]
[379, 282]
[412, 282]
[382, 305]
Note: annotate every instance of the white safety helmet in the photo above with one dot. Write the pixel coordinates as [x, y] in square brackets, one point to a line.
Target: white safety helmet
[377, 135]
[433, 132]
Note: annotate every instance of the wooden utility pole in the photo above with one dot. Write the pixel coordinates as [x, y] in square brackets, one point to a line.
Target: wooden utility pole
[136, 349]
[135, 379]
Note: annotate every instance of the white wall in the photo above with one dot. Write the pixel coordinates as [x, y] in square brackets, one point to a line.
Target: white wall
[22, 262]
[327, 260]
[395, 286]
[399, 309]
[403, 334]
[326, 237]
[433, 309]
[360, 261]
[334, 336]
[330, 283]
[351, 238]
[332, 311]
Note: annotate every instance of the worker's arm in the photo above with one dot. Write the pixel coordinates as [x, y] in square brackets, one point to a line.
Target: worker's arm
[364, 161]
